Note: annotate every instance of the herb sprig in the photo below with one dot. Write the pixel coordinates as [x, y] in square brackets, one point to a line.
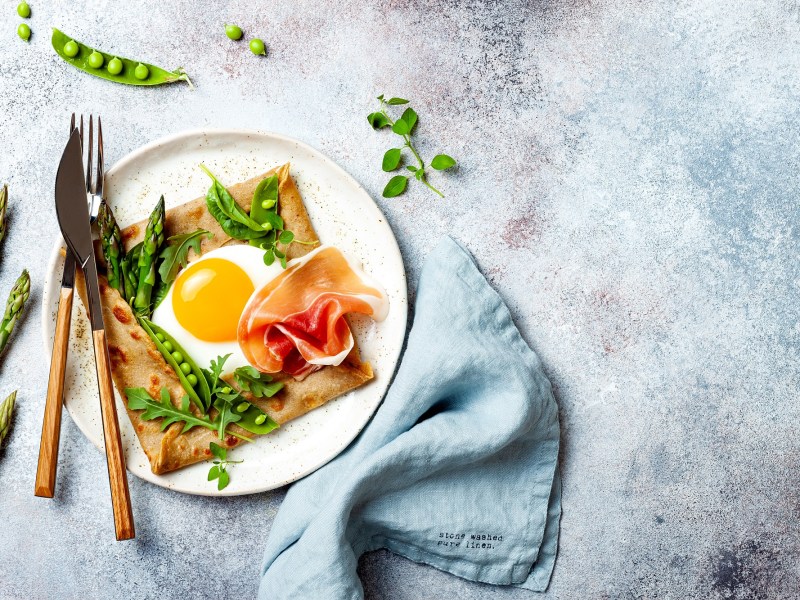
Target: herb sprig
[392, 159]
[220, 469]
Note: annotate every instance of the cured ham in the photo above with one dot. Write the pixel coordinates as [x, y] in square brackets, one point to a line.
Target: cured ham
[296, 322]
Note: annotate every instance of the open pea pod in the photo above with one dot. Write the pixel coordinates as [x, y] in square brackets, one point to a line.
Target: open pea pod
[78, 56]
[200, 394]
[248, 421]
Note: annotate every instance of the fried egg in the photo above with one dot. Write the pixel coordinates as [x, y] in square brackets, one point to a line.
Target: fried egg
[203, 306]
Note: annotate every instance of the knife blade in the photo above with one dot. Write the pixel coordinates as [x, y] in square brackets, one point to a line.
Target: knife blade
[73, 219]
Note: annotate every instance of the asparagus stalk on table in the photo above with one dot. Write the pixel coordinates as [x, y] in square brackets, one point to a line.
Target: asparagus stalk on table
[3, 203]
[6, 410]
[111, 242]
[151, 244]
[14, 307]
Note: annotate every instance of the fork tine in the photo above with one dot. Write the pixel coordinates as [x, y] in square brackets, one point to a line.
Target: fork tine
[72, 124]
[81, 133]
[100, 170]
[89, 185]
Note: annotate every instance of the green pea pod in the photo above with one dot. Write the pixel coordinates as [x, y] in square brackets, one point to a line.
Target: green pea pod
[157, 75]
[267, 191]
[248, 421]
[201, 394]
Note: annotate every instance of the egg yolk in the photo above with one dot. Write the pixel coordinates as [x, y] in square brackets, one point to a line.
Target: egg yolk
[209, 297]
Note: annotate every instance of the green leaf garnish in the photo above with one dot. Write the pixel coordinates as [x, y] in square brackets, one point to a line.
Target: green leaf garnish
[175, 254]
[139, 399]
[391, 160]
[441, 162]
[404, 127]
[257, 383]
[396, 186]
[220, 469]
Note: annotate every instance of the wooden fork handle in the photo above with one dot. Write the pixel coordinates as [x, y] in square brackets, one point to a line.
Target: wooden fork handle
[120, 496]
[51, 426]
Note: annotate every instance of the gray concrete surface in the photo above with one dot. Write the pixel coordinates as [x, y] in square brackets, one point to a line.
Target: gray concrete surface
[628, 181]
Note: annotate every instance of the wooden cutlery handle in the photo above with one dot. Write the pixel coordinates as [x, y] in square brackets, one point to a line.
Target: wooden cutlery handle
[51, 426]
[120, 496]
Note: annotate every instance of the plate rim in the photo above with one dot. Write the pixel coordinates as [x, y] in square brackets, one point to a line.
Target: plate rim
[393, 248]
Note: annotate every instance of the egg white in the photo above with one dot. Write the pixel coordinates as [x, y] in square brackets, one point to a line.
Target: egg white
[251, 260]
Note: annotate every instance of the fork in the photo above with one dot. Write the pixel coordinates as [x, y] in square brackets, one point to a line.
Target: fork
[51, 425]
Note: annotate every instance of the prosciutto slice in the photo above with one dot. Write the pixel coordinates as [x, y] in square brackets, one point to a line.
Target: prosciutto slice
[296, 324]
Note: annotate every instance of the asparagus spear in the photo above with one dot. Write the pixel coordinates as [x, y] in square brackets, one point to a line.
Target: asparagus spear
[6, 409]
[111, 241]
[130, 272]
[3, 202]
[14, 306]
[153, 238]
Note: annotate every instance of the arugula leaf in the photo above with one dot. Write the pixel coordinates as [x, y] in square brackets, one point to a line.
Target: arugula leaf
[391, 160]
[396, 186]
[227, 416]
[216, 370]
[175, 254]
[139, 399]
[257, 383]
[441, 162]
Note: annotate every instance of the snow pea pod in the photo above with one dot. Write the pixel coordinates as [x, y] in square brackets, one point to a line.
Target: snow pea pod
[250, 421]
[128, 73]
[200, 393]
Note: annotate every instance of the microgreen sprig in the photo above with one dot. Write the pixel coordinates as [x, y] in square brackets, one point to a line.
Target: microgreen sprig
[220, 469]
[404, 127]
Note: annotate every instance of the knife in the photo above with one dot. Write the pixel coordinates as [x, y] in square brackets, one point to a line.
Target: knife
[73, 219]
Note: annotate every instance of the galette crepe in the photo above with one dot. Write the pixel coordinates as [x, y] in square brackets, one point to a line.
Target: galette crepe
[137, 362]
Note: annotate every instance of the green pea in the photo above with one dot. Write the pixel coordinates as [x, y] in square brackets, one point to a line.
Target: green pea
[259, 420]
[141, 72]
[267, 204]
[192, 379]
[177, 356]
[267, 226]
[226, 390]
[115, 68]
[234, 32]
[257, 47]
[71, 48]
[242, 406]
[159, 336]
[24, 31]
[168, 346]
[95, 60]
[186, 368]
[24, 10]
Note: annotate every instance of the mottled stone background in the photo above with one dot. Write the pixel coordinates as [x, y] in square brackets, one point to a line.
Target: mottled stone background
[628, 182]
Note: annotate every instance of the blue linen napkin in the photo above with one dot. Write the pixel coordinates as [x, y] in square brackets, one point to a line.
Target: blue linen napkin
[457, 469]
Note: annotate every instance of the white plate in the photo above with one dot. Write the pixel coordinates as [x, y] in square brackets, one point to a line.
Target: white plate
[343, 215]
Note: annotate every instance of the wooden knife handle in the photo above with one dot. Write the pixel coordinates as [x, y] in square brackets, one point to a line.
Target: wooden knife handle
[51, 426]
[120, 496]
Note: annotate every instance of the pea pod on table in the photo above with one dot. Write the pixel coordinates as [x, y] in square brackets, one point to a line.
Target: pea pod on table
[192, 378]
[132, 72]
